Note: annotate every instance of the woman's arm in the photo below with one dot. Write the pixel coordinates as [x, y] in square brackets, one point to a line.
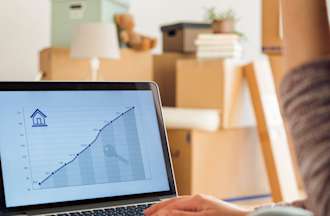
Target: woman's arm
[306, 31]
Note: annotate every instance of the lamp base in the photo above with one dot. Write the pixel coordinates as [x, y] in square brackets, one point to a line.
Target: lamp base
[95, 67]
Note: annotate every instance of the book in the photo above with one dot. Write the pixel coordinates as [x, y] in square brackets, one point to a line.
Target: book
[218, 55]
[212, 43]
[218, 37]
[220, 48]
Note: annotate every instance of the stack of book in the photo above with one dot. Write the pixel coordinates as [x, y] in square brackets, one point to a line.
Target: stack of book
[218, 46]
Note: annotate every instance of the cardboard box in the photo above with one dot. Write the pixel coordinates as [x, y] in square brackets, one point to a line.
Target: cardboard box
[181, 37]
[199, 84]
[272, 41]
[226, 164]
[164, 67]
[69, 13]
[56, 64]
[215, 84]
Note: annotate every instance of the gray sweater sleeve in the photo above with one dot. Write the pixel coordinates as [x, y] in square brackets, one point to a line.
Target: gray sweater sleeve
[305, 99]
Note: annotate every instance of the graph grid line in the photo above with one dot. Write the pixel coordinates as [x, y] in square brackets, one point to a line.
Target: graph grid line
[86, 148]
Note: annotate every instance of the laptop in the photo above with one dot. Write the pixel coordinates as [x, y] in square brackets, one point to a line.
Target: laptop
[81, 148]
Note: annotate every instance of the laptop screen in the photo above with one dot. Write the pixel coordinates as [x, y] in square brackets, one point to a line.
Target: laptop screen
[59, 146]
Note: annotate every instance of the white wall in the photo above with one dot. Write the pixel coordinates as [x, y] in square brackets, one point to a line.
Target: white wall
[24, 30]
[25, 26]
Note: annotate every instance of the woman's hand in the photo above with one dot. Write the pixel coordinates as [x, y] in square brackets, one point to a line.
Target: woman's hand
[197, 205]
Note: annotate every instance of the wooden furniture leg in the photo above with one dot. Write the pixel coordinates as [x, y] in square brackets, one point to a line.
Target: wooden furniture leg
[274, 144]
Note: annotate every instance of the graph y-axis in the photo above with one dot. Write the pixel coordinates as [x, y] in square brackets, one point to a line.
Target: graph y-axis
[27, 147]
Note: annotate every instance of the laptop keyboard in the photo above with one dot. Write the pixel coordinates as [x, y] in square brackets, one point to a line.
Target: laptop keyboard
[134, 210]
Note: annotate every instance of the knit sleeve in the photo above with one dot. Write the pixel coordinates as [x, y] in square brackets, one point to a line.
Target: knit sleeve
[305, 100]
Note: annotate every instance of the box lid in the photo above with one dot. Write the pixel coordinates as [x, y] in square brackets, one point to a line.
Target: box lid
[124, 3]
[180, 26]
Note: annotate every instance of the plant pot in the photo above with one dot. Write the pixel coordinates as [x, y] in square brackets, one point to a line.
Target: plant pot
[223, 26]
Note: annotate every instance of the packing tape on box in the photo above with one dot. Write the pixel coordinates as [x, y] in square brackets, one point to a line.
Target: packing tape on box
[200, 119]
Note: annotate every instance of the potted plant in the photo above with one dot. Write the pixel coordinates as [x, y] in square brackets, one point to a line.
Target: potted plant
[222, 22]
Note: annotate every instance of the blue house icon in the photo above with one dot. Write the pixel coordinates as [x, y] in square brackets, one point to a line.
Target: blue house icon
[38, 119]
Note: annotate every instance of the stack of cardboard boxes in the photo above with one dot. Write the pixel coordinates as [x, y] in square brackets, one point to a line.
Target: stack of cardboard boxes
[226, 163]
[178, 43]
[56, 63]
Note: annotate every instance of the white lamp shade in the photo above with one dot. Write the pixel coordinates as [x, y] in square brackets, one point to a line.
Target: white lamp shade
[95, 40]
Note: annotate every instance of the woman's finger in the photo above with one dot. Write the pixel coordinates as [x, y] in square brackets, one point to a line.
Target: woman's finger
[161, 205]
[185, 213]
[164, 212]
[192, 204]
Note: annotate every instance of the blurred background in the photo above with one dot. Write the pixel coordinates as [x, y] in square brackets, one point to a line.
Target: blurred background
[25, 27]
[218, 79]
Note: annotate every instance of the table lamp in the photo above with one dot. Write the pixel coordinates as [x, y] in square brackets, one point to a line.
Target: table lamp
[94, 41]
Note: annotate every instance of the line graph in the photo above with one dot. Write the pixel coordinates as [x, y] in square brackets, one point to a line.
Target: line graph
[61, 157]
[59, 146]
[88, 146]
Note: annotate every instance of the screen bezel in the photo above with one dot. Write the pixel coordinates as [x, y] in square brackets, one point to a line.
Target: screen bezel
[95, 86]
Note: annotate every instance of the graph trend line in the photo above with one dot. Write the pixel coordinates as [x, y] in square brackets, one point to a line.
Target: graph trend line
[87, 147]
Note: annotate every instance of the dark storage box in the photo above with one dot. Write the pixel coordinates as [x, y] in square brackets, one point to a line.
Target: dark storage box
[181, 37]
